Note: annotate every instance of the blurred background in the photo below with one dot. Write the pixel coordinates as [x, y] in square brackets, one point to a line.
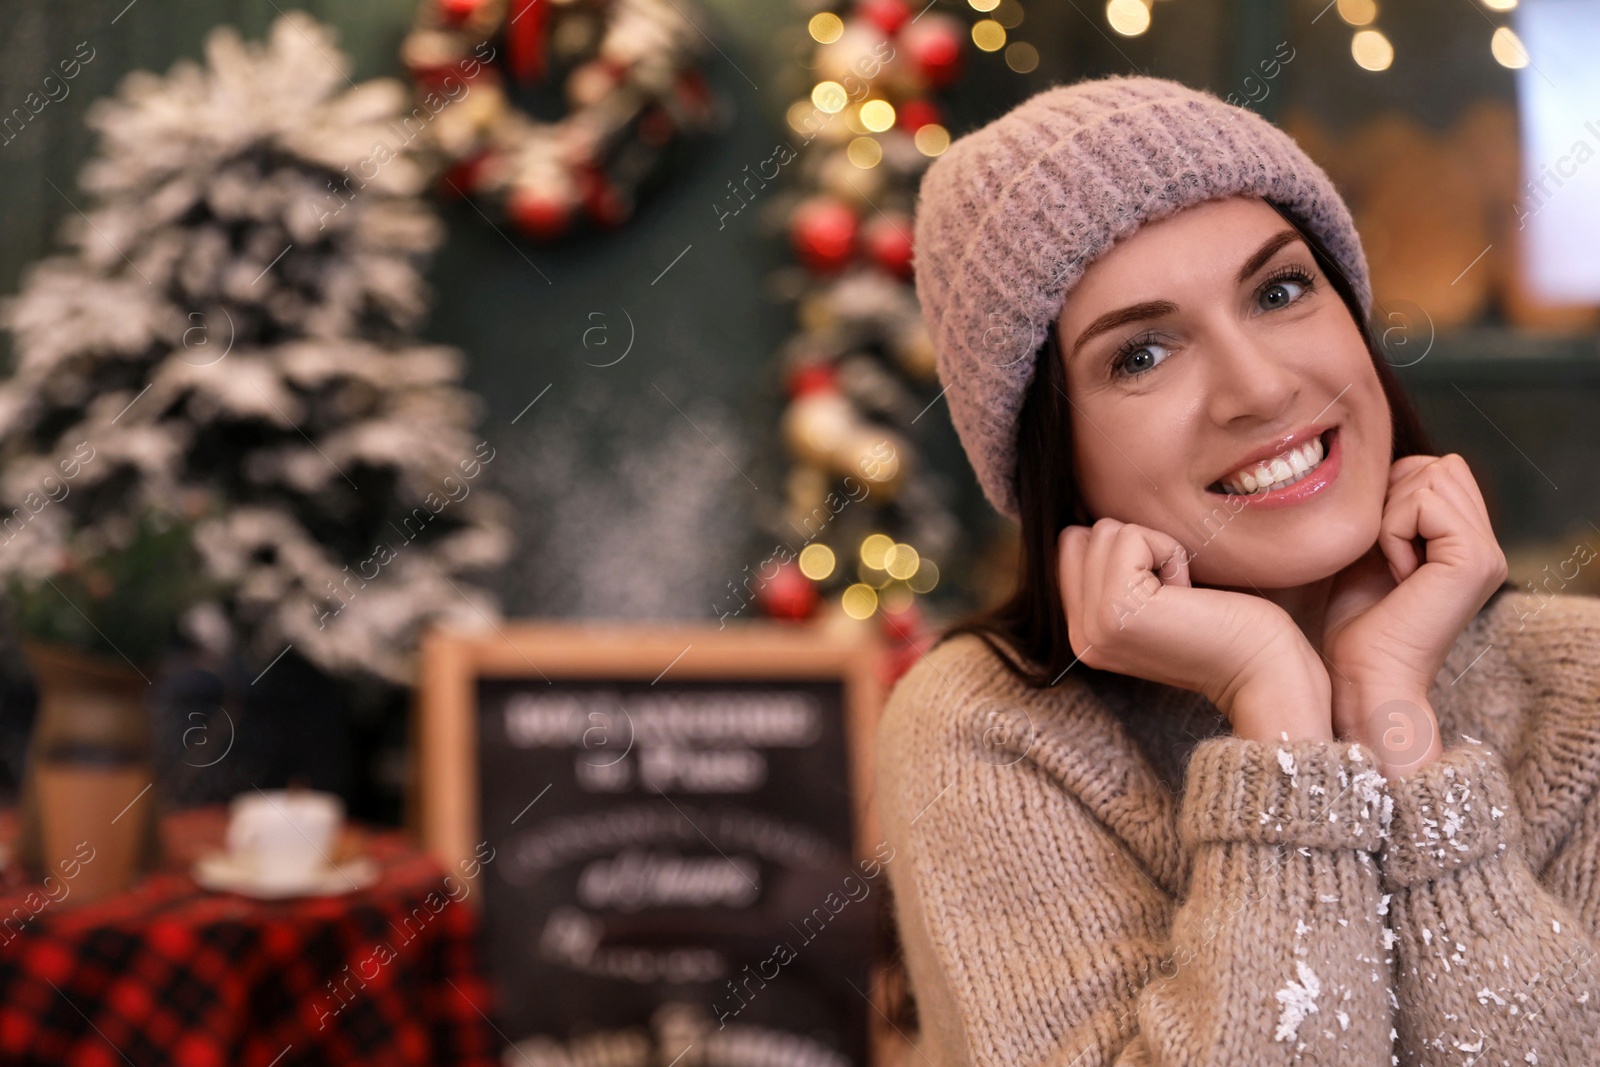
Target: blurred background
[619, 296]
[643, 485]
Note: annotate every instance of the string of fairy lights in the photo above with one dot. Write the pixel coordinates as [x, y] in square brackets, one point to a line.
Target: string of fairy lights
[860, 369]
[1370, 47]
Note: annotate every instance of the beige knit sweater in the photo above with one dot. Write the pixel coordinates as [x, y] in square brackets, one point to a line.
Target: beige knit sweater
[1086, 878]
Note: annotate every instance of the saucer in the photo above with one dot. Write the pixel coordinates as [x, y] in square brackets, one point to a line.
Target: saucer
[224, 872]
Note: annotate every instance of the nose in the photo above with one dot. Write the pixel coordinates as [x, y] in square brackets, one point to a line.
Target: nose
[1247, 377]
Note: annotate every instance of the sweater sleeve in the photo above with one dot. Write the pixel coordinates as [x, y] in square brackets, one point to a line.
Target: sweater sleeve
[1035, 936]
[1491, 966]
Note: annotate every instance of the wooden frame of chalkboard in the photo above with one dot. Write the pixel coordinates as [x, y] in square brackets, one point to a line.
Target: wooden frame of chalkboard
[459, 669]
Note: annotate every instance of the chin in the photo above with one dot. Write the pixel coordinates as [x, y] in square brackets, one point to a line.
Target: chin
[1267, 566]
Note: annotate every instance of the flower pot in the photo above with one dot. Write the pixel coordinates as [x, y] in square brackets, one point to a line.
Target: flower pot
[88, 806]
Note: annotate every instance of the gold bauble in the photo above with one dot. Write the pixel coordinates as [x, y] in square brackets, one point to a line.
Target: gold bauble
[816, 426]
[916, 355]
[843, 179]
[874, 458]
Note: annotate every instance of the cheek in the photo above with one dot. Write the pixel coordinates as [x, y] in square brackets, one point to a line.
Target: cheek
[1095, 465]
[1369, 428]
[1121, 473]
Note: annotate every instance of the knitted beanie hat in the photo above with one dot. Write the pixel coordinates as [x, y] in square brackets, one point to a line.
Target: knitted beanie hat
[1012, 214]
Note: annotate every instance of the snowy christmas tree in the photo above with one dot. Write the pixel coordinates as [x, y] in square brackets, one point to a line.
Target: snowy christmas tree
[231, 338]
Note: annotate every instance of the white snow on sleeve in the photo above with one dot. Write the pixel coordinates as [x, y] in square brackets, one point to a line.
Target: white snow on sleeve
[1299, 999]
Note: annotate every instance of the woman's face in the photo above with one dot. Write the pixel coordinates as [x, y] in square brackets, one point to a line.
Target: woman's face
[1206, 341]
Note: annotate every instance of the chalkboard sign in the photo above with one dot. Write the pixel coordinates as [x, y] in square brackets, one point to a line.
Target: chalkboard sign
[672, 833]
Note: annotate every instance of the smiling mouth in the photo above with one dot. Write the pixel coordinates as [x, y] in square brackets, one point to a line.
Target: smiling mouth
[1280, 472]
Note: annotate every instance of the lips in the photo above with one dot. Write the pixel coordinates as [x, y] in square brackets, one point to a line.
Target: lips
[1253, 467]
[1280, 446]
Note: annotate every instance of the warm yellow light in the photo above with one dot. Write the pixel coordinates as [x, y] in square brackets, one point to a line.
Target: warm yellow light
[816, 562]
[1022, 57]
[830, 97]
[1008, 13]
[1372, 50]
[901, 561]
[877, 115]
[988, 35]
[864, 152]
[859, 601]
[926, 578]
[1358, 12]
[931, 139]
[874, 547]
[1128, 17]
[984, 5]
[825, 27]
[1507, 49]
[1499, 5]
[896, 598]
[798, 113]
[867, 576]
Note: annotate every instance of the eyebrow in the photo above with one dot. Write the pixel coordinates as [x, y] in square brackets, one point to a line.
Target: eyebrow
[1151, 309]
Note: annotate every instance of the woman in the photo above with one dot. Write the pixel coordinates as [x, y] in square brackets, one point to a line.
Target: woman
[1257, 765]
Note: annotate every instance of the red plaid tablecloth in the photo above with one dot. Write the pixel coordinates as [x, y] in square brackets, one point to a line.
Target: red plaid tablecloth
[171, 975]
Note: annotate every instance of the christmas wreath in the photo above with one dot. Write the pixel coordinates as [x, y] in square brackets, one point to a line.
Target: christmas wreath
[558, 111]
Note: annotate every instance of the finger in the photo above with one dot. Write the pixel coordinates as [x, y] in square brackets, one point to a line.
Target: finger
[1143, 548]
[1426, 513]
[1407, 465]
[1450, 477]
[1397, 533]
[1095, 557]
[1072, 542]
[1476, 549]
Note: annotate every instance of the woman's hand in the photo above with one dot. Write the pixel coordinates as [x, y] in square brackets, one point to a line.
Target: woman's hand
[1130, 609]
[1394, 614]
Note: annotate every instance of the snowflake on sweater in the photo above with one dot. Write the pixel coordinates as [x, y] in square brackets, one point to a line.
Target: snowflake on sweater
[1298, 999]
[233, 333]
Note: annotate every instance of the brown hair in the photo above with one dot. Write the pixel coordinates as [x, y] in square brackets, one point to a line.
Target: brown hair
[1028, 631]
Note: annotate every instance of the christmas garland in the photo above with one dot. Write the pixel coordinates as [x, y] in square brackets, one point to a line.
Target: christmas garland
[620, 74]
[862, 518]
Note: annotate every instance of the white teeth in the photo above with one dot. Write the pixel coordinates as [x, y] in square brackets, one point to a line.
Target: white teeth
[1277, 472]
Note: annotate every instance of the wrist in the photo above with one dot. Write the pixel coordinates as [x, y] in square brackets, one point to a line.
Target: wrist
[1395, 720]
[1296, 703]
[1280, 720]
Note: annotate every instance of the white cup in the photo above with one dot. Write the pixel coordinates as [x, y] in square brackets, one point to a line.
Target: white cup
[284, 837]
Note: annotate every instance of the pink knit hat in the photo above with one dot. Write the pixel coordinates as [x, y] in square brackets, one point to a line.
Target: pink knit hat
[1012, 214]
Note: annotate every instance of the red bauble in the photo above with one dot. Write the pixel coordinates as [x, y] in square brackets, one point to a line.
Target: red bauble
[824, 233]
[538, 215]
[912, 115]
[813, 378]
[429, 73]
[655, 127]
[458, 10]
[601, 201]
[789, 594]
[462, 178]
[888, 241]
[934, 44]
[887, 15]
[693, 92]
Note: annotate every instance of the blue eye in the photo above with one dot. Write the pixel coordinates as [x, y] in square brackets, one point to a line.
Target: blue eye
[1146, 347]
[1283, 288]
